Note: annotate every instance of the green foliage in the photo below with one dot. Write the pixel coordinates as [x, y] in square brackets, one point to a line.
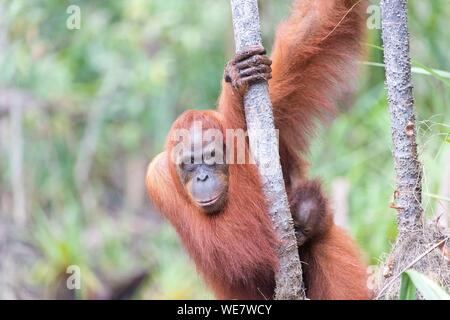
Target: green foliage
[412, 280]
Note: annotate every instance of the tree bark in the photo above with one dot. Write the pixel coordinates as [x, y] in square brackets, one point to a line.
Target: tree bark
[408, 193]
[443, 206]
[339, 190]
[417, 241]
[16, 164]
[264, 148]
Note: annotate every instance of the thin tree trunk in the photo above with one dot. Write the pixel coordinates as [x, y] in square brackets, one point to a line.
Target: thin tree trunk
[408, 193]
[443, 206]
[417, 242]
[339, 199]
[134, 192]
[12, 95]
[16, 164]
[89, 143]
[264, 147]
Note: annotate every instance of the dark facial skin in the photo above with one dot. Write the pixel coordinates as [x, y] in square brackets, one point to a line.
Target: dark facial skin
[309, 211]
[205, 181]
[306, 215]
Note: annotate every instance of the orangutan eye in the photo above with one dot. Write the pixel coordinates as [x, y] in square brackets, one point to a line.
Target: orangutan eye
[210, 158]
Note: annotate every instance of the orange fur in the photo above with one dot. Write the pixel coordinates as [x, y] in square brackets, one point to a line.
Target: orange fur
[333, 269]
[235, 250]
[314, 59]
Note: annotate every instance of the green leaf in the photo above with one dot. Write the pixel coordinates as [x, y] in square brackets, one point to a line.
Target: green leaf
[407, 288]
[427, 287]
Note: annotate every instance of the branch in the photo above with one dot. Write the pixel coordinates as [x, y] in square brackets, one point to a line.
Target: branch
[16, 163]
[408, 193]
[340, 189]
[10, 96]
[89, 143]
[442, 206]
[264, 147]
[12, 102]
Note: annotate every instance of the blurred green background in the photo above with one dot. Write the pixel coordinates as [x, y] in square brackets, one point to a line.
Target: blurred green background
[83, 111]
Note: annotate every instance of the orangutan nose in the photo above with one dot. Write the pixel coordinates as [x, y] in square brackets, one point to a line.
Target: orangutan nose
[202, 177]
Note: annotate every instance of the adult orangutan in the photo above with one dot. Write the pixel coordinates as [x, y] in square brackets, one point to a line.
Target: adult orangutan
[218, 207]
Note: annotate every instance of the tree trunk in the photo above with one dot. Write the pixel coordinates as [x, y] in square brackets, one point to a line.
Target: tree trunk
[408, 192]
[417, 242]
[340, 188]
[264, 147]
[443, 206]
[16, 164]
